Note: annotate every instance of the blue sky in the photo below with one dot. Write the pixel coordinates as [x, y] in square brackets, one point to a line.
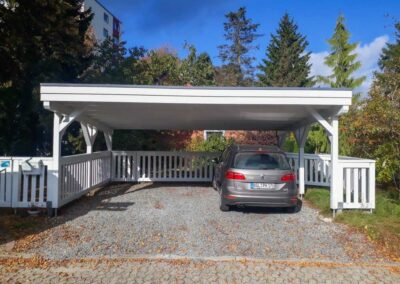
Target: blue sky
[156, 23]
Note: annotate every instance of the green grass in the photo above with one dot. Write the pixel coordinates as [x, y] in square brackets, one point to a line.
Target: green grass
[383, 225]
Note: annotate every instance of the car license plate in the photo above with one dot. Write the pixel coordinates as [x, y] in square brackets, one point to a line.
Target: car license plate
[261, 185]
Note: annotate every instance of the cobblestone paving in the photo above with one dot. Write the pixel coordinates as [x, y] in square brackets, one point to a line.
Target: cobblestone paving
[201, 271]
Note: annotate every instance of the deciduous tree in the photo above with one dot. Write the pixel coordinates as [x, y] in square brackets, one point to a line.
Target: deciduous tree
[40, 41]
[375, 131]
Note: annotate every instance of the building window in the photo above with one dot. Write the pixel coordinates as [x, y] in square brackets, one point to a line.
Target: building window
[105, 33]
[116, 25]
[106, 18]
[211, 133]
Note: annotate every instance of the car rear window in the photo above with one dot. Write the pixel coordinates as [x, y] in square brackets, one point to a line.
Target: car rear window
[260, 161]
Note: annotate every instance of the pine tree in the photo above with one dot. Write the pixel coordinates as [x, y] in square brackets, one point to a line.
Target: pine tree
[240, 33]
[343, 62]
[287, 62]
[342, 59]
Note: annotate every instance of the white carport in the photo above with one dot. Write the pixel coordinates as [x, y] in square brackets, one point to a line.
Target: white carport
[110, 107]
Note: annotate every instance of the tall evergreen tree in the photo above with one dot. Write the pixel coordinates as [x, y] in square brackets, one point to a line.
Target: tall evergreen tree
[287, 61]
[342, 59]
[40, 41]
[240, 34]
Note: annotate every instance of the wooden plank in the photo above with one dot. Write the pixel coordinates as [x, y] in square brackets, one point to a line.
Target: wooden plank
[363, 186]
[159, 166]
[148, 174]
[118, 160]
[170, 166]
[355, 186]
[25, 189]
[348, 185]
[33, 188]
[165, 166]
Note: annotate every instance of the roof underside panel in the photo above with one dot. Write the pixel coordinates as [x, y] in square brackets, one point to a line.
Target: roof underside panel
[139, 107]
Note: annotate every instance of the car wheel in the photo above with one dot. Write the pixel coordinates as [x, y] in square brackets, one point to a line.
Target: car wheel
[223, 207]
[293, 209]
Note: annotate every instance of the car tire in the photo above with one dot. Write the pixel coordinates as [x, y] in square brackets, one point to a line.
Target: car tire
[293, 209]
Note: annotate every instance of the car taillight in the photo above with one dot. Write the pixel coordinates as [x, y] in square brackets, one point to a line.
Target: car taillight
[288, 177]
[234, 175]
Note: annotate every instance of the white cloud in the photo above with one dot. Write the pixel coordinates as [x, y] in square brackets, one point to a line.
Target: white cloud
[368, 55]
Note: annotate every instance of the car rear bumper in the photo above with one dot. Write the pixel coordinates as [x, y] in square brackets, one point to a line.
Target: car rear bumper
[262, 201]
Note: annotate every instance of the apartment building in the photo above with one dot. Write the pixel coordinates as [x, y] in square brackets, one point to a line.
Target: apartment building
[104, 23]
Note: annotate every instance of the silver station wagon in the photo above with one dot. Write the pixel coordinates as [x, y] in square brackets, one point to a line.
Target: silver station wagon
[252, 175]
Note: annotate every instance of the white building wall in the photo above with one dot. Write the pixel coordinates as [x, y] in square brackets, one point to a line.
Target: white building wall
[99, 24]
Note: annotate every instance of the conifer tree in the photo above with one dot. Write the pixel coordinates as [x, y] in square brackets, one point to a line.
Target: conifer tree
[240, 34]
[342, 59]
[287, 61]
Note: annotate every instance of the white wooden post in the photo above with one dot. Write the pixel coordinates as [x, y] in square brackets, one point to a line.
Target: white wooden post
[301, 137]
[336, 191]
[336, 194]
[60, 125]
[89, 133]
[371, 185]
[108, 138]
[54, 183]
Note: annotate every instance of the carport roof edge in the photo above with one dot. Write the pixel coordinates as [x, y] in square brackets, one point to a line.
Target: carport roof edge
[173, 107]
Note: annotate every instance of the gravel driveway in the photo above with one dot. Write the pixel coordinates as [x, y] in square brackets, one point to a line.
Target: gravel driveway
[184, 220]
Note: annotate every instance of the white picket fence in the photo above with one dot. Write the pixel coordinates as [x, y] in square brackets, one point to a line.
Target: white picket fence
[316, 168]
[163, 166]
[20, 190]
[357, 178]
[80, 173]
[356, 183]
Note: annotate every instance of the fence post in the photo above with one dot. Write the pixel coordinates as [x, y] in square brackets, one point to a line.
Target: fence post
[371, 185]
[336, 195]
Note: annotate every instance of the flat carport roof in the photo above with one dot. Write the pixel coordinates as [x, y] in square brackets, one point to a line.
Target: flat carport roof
[110, 107]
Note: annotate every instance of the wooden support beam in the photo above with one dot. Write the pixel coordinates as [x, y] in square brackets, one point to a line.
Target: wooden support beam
[89, 133]
[325, 124]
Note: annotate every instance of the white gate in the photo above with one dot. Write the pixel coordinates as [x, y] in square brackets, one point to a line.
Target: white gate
[19, 190]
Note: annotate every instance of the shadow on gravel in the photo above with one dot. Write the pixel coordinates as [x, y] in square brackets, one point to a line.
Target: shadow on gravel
[266, 210]
[14, 227]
